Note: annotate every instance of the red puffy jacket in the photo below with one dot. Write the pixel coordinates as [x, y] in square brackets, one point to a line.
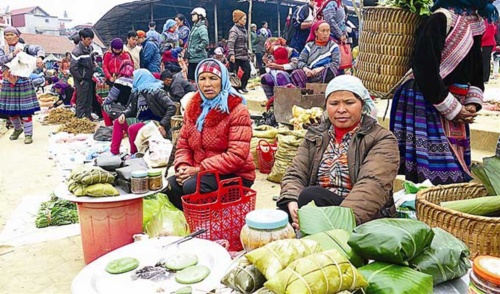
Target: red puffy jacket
[224, 142]
[111, 63]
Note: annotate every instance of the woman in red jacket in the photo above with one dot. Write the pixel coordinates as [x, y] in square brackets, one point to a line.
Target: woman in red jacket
[113, 60]
[215, 136]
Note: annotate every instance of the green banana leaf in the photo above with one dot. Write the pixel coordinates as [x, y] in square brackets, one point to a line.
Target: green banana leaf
[275, 256]
[313, 219]
[327, 272]
[391, 240]
[385, 278]
[479, 172]
[492, 168]
[337, 239]
[446, 259]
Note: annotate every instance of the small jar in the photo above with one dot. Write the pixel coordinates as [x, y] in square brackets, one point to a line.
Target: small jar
[485, 275]
[155, 182]
[264, 226]
[139, 182]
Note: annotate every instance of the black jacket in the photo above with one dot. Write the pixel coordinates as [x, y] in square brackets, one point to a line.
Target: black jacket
[81, 65]
[179, 88]
[158, 102]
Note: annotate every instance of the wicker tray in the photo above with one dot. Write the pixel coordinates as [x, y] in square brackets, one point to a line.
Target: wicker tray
[480, 234]
[385, 47]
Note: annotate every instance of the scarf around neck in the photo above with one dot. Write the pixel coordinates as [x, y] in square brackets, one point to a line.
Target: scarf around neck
[219, 102]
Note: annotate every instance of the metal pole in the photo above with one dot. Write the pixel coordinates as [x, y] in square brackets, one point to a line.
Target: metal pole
[151, 10]
[249, 21]
[216, 27]
[279, 17]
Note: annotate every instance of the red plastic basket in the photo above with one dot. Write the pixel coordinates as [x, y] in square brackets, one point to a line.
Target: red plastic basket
[221, 212]
[265, 155]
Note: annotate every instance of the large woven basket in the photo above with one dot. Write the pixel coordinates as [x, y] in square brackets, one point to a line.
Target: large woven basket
[175, 125]
[481, 234]
[385, 47]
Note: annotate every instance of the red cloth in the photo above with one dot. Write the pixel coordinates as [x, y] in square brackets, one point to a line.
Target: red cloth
[224, 142]
[112, 62]
[312, 32]
[340, 132]
[489, 35]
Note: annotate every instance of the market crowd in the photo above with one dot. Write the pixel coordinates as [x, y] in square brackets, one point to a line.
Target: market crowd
[347, 159]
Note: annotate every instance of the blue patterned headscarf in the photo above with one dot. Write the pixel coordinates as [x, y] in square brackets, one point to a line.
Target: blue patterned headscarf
[145, 81]
[220, 101]
[483, 7]
[168, 24]
[354, 85]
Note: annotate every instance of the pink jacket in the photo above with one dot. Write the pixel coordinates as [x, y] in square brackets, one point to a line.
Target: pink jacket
[488, 39]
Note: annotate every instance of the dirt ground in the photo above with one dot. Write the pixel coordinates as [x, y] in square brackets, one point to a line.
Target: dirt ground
[48, 267]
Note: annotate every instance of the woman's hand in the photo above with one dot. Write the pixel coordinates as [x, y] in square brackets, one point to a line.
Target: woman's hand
[185, 172]
[317, 70]
[309, 73]
[232, 58]
[162, 130]
[466, 116]
[293, 207]
[121, 118]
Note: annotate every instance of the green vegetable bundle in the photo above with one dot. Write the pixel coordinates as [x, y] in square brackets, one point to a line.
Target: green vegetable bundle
[391, 240]
[385, 278]
[313, 219]
[420, 7]
[484, 206]
[326, 272]
[337, 239]
[89, 175]
[446, 259]
[275, 256]
[57, 212]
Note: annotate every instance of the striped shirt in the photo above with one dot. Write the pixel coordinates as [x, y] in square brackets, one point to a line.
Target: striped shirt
[333, 172]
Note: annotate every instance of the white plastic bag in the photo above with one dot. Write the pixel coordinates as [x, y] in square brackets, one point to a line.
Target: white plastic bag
[22, 65]
[159, 152]
[146, 132]
[253, 70]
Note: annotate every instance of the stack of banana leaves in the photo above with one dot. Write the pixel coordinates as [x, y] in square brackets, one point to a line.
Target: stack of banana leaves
[56, 212]
[384, 256]
[489, 174]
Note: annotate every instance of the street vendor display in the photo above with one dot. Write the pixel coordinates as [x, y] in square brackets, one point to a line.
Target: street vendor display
[432, 110]
[18, 99]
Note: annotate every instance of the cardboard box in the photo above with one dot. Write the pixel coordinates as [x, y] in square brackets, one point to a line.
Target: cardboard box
[285, 98]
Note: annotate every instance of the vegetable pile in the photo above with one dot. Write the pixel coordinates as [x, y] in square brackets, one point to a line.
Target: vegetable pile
[58, 116]
[78, 126]
[420, 7]
[56, 212]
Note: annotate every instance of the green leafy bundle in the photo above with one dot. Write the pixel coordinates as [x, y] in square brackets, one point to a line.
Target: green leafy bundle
[56, 212]
[420, 7]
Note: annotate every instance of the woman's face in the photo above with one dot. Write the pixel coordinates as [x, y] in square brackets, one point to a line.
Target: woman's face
[344, 109]
[11, 38]
[179, 22]
[323, 32]
[194, 17]
[242, 20]
[209, 84]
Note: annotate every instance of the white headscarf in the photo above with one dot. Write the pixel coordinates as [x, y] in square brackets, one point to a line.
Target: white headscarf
[354, 85]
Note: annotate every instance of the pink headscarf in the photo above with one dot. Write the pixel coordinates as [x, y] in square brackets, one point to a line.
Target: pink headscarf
[126, 69]
[312, 32]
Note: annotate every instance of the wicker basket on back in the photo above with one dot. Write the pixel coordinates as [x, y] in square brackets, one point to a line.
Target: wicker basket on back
[385, 47]
[481, 234]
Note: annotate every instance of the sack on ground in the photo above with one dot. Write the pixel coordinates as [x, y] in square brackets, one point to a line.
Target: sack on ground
[159, 152]
[149, 130]
[391, 240]
[235, 81]
[90, 175]
[103, 134]
[391, 278]
[446, 259]
[327, 272]
[275, 256]
[101, 190]
[287, 149]
[244, 277]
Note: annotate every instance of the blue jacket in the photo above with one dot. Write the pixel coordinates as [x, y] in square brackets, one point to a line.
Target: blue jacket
[150, 56]
[300, 37]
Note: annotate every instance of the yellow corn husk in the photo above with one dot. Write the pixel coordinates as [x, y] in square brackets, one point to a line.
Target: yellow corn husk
[483, 206]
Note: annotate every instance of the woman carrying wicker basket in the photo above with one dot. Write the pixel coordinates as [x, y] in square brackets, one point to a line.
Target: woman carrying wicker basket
[431, 112]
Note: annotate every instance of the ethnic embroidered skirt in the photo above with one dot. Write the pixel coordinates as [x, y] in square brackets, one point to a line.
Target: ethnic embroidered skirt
[425, 150]
[18, 100]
